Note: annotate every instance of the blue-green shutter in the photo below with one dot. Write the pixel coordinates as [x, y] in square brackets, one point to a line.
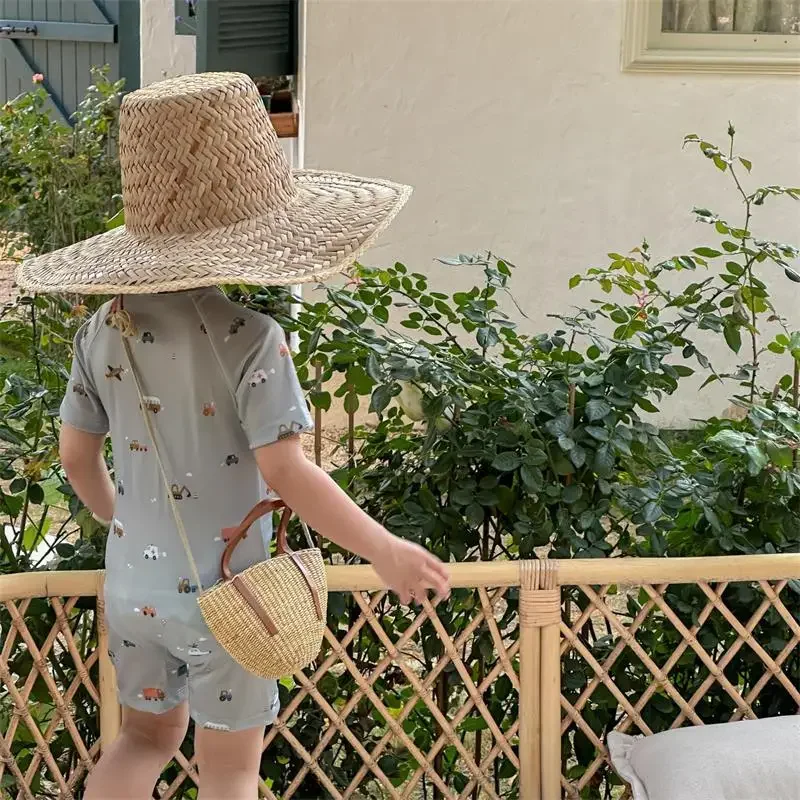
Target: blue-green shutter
[63, 40]
[257, 37]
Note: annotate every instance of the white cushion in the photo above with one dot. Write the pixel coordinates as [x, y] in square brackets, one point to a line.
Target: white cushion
[750, 760]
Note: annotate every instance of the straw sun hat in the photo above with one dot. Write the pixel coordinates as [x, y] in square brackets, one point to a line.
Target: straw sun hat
[210, 199]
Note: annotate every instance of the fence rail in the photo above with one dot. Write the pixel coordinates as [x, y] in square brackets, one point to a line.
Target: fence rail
[559, 635]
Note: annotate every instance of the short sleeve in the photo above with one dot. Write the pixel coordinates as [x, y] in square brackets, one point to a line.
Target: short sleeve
[270, 400]
[81, 407]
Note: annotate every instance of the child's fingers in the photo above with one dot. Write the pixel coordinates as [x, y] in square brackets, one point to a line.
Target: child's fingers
[404, 594]
[437, 581]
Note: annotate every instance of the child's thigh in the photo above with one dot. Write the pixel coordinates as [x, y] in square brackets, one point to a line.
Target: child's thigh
[149, 678]
[224, 697]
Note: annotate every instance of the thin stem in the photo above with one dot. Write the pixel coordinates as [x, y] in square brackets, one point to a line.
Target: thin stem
[796, 401]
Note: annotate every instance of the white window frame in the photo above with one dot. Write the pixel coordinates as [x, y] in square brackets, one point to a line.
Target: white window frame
[646, 48]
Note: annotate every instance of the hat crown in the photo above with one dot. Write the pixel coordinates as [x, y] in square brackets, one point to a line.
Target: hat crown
[198, 153]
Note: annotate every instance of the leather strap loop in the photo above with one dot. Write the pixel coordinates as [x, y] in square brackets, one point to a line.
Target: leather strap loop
[252, 601]
[235, 535]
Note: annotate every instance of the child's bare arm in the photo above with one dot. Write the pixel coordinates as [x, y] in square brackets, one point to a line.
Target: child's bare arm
[82, 458]
[404, 567]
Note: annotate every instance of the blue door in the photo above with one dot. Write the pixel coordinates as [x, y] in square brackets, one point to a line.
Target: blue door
[63, 40]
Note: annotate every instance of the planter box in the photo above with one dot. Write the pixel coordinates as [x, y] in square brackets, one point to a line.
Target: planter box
[284, 114]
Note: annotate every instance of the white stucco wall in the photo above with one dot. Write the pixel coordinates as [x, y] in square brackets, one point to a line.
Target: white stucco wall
[521, 135]
[164, 55]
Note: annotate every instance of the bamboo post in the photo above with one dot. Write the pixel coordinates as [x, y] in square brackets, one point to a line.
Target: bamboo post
[548, 616]
[530, 761]
[109, 706]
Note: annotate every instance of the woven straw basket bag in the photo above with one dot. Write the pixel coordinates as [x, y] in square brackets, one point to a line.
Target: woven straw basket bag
[270, 618]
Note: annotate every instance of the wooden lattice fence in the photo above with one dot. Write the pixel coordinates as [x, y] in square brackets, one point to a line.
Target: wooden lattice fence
[368, 719]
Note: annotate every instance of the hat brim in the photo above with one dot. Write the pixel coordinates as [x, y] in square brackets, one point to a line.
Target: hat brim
[331, 222]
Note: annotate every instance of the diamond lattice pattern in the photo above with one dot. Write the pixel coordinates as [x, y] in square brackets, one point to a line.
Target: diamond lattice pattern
[651, 658]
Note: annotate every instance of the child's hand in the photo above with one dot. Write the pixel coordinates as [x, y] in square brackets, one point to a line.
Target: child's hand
[410, 571]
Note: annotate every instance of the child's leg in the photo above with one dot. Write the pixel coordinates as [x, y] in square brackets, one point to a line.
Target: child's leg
[228, 763]
[131, 766]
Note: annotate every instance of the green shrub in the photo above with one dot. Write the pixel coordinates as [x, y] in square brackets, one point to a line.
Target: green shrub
[499, 443]
[58, 184]
[491, 443]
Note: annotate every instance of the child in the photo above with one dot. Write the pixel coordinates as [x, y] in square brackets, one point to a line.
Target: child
[209, 199]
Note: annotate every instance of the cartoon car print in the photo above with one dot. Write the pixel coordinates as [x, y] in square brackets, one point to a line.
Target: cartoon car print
[114, 372]
[284, 350]
[231, 460]
[209, 409]
[182, 671]
[151, 404]
[137, 447]
[118, 529]
[225, 696]
[195, 652]
[185, 586]
[287, 431]
[128, 643]
[180, 492]
[216, 726]
[236, 325]
[151, 552]
[257, 378]
[153, 695]
[112, 655]
[148, 338]
[120, 489]
[79, 389]
[148, 611]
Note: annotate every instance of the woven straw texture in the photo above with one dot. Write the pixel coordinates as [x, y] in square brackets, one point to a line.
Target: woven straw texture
[282, 592]
[210, 198]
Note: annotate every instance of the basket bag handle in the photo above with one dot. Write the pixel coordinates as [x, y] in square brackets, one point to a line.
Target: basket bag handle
[120, 319]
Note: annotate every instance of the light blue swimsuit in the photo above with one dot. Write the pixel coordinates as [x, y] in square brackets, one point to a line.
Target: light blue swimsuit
[208, 424]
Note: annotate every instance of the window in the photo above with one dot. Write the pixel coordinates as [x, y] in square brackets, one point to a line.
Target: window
[712, 36]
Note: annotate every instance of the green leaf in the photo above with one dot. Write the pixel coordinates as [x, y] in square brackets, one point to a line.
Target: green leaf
[597, 409]
[729, 438]
[746, 163]
[560, 426]
[601, 434]
[733, 337]
[707, 252]
[646, 405]
[381, 397]
[507, 462]
[572, 493]
[574, 281]
[35, 494]
[320, 400]
[474, 724]
[531, 478]
[604, 461]
[117, 221]
[351, 402]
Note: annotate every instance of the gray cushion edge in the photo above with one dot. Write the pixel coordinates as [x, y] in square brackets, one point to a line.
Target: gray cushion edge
[620, 746]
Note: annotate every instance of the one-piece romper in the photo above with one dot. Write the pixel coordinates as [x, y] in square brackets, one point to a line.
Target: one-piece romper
[208, 423]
